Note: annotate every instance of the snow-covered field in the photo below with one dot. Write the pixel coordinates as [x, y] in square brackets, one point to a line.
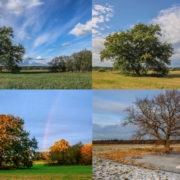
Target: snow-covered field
[109, 170]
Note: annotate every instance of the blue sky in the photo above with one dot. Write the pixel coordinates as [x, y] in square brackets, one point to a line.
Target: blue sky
[108, 112]
[115, 15]
[51, 115]
[48, 28]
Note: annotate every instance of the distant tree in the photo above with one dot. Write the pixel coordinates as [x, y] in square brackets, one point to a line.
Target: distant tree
[86, 153]
[138, 50]
[57, 64]
[10, 55]
[158, 118]
[83, 60]
[69, 63]
[16, 148]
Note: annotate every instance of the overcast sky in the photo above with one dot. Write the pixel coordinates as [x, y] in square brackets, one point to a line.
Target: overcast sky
[51, 115]
[48, 28]
[115, 15]
[108, 112]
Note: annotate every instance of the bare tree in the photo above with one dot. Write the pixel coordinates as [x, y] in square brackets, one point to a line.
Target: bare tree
[158, 117]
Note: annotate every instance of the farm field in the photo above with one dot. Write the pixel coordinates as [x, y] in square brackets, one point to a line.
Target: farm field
[41, 171]
[134, 162]
[36, 79]
[115, 80]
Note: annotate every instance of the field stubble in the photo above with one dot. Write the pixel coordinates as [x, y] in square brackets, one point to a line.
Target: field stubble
[115, 80]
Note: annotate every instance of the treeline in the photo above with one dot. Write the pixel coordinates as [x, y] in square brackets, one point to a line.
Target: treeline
[61, 153]
[116, 141]
[79, 61]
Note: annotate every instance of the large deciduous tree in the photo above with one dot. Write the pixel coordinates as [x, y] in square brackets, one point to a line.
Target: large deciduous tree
[10, 55]
[16, 148]
[138, 50]
[158, 117]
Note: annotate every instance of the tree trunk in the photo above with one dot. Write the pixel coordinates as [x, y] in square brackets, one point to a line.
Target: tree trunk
[167, 147]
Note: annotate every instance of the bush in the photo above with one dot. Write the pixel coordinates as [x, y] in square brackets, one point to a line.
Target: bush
[101, 70]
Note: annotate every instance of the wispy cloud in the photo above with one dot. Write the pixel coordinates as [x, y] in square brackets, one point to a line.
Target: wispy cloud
[67, 44]
[17, 7]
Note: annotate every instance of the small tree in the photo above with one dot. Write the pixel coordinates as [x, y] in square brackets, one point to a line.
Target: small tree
[16, 148]
[57, 64]
[10, 55]
[138, 50]
[86, 151]
[158, 117]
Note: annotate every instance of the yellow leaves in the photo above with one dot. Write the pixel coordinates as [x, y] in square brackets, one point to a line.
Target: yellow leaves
[59, 145]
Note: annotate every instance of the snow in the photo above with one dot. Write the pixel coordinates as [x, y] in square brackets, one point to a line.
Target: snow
[109, 170]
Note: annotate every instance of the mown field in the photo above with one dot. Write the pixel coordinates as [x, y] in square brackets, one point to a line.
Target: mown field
[115, 80]
[44, 172]
[36, 79]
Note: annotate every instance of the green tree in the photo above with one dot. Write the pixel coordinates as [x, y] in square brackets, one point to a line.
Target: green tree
[138, 50]
[57, 64]
[157, 118]
[83, 60]
[10, 55]
[16, 148]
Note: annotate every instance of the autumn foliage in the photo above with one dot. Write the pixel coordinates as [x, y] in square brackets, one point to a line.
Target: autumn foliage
[61, 153]
[16, 149]
[86, 151]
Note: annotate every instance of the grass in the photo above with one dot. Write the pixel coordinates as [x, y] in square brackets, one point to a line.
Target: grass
[44, 80]
[115, 80]
[40, 171]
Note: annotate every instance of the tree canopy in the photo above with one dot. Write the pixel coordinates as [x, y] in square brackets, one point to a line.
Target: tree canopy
[157, 118]
[16, 148]
[78, 61]
[138, 50]
[10, 55]
[62, 153]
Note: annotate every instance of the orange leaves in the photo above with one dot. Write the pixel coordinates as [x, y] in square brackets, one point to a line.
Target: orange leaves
[59, 145]
[86, 152]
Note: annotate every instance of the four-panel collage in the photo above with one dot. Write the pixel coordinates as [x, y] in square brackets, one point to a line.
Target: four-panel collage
[89, 89]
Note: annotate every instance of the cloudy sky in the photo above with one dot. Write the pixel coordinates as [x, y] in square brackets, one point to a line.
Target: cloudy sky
[108, 112]
[51, 115]
[115, 15]
[48, 28]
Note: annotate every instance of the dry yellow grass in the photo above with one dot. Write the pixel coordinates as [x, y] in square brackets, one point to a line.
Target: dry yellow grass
[115, 80]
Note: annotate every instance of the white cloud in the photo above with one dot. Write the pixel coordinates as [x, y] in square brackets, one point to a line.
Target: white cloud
[82, 29]
[101, 14]
[18, 6]
[169, 21]
[29, 38]
[39, 58]
[27, 57]
[67, 44]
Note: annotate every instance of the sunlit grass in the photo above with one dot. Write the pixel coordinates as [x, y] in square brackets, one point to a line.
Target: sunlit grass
[41, 171]
[115, 80]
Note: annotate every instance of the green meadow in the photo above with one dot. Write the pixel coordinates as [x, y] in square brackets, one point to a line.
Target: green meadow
[44, 172]
[42, 79]
[116, 80]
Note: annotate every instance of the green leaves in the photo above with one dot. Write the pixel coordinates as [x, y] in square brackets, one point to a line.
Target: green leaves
[10, 55]
[138, 50]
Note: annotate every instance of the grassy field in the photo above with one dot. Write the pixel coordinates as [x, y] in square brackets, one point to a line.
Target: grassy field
[44, 80]
[115, 80]
[40, 171]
